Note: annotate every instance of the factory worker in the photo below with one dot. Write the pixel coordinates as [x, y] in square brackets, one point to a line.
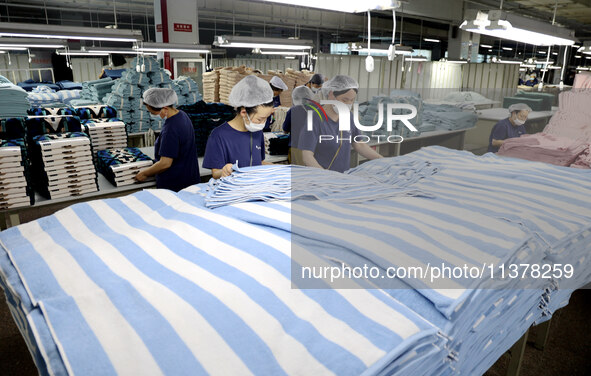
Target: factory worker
[325, 146]
[510, 127]
[295, 121]
[241, 139]
[175, 152]
[277, 85]
[315, 83]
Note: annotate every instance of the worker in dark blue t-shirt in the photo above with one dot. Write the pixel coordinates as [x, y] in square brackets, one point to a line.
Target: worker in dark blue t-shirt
[334, 153]
[278, 86]
[175, 152]
[510, 127]
[241, 139]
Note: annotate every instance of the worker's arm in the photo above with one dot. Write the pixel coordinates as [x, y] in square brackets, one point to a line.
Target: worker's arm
[265, 163]
[309, 160]
[157, 168]
[217, 173]
[366, 151]
[497, 143]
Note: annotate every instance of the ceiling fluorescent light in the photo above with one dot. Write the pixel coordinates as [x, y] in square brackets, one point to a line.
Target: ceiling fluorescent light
[431, 40]
[12, 29]
[542, 52]
[485, 46]
[554, 67]
[342, 6]
[80, 53]
[254, 42]
[528, 66]
[542, 62]
[457, 61]
[506, 61]
[20, 43]
[290, 57]
[5, 49]
[575, 46]
[578, 56]
[500, 24]
[114, 50]
[507, 49]
[362, 47]
[174, 47]
[292, 53]
[416, 58]
[583, 68]
[586, 48]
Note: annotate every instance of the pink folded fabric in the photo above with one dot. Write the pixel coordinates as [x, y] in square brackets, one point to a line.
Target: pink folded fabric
[582, 81]
[583, 160]
[546, 148]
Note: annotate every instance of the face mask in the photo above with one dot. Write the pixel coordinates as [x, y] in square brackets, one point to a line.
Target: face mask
[315, 90]
[155, 117]
[253, 127]
[518, 121]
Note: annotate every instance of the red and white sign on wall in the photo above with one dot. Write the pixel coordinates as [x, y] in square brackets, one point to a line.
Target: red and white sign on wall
[188, 28]
[159, 28]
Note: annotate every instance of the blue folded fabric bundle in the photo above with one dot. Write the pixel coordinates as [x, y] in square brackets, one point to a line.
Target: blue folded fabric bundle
[187, 84]
[150, 63]
[30, 85]
[370, 114]
[159, 76]
[112, 73]
[447, 117]
[69, 85]
[13, 101]
[192, 98]
[133, 77]
[43, 89]
[139, 126]
[83, 102]
[97, 89]
[125, 89]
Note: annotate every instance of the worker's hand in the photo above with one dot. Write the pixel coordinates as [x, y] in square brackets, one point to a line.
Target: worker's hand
[140, 176]
[227, 170]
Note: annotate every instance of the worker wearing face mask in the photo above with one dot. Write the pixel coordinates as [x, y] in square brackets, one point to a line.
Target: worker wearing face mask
[175, 152]
[295, 121]
[325, 146]
[241, 139]
[315, 83]
[511, 127]
[278, 86]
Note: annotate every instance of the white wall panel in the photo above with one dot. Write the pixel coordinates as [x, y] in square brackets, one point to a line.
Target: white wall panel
[87, 69]
[261, 64]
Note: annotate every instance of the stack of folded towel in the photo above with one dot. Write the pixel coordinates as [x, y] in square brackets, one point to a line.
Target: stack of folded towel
[120, 166]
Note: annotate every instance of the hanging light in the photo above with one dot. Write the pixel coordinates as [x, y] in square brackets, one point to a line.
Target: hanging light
[174, 47]
[500, 24]
[12, 29]
[24, 43]
[255, 42]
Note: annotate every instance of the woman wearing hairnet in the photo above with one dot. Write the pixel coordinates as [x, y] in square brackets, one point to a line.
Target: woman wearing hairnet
[334, 154]
[241, 139]
[277, 85]
[510, 127]
[315, 83]
[175, 152]
[295, 121]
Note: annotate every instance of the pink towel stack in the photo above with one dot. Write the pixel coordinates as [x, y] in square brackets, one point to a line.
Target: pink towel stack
[582, 81]
[545, 148]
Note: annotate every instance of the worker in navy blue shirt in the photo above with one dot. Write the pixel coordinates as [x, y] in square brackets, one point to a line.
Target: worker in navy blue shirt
[241, 139]
[277, 85]
[334, 153]
[175, 152]
[295, 121]
[510, 127]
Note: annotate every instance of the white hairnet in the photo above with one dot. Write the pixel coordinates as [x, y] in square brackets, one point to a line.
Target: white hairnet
[339, 83]
[519, 107]
[160, 97]
[251, 91]
[301, 93]
[278, 83]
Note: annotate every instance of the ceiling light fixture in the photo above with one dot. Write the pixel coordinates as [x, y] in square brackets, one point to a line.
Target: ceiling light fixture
[500, 24]
[256, 42]
[174, 47]
[292, 53]
[431, 40]
[343, 6]
[12, 29]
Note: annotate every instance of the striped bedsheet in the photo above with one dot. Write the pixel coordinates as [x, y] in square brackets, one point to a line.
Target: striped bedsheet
[157, 283]
[152, 284]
